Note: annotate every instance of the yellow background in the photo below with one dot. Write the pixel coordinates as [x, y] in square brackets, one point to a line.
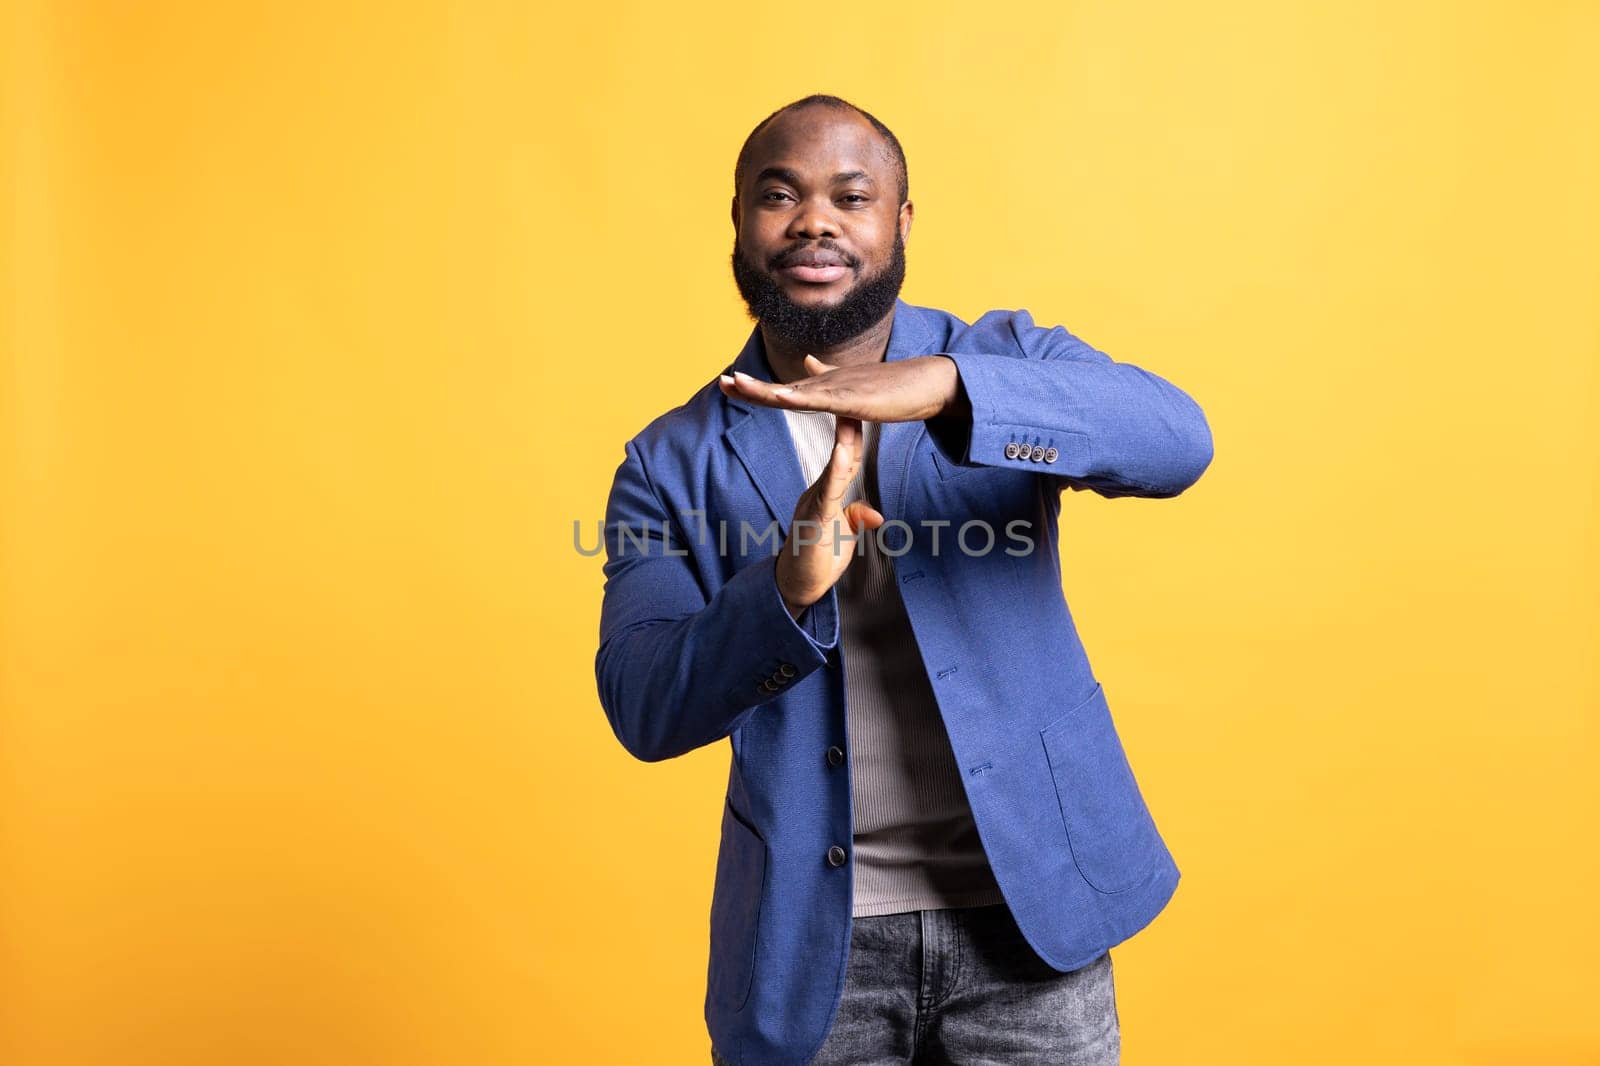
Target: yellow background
[323, 323]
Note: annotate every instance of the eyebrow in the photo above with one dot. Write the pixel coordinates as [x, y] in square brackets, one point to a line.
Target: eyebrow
[789, 177]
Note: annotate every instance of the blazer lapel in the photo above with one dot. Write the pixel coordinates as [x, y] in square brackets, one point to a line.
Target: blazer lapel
[896, 440]
[760, 436]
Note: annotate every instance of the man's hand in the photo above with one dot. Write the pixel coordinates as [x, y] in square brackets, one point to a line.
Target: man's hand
[813, 559]
[906, 390]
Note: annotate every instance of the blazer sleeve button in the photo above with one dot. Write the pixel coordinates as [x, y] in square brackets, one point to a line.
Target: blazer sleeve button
[836, 856]
[1050, 455]
[1011, 449]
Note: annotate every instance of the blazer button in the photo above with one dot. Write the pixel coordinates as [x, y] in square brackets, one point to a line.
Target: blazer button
[786, 670]
[768, 686]
[1024, 451]
[1011, 449]
[1050, 455]
[836, 856]
[835, 756]
[1038, 453]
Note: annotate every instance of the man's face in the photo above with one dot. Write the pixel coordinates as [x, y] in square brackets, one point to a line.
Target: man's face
[819, 244]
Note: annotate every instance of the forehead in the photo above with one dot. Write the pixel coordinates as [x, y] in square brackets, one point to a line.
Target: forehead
[817, 142]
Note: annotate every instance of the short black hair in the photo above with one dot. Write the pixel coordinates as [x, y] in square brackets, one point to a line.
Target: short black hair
[824, 100]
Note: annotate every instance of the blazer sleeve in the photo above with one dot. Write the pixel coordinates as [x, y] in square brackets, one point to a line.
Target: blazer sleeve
[677, 668]
[1117, 429]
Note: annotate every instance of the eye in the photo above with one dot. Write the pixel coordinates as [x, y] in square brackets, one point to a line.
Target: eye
[855, 196]
[774, 192]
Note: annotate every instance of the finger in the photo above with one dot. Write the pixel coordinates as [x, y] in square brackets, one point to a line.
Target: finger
[817, 367]
[798, 394]
[763, 392]
[836, 478]
[821, 394]
[849, 429]
[846, 434]
[863, 515]
[815, 393]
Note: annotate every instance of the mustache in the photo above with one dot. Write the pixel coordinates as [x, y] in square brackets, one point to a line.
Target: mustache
[785, 257]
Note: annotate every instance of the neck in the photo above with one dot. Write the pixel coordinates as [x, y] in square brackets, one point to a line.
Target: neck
[788, 362]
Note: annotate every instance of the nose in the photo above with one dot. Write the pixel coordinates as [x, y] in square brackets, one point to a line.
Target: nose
[814, 220]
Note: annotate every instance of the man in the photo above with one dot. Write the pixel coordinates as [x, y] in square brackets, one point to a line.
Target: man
[861, 516]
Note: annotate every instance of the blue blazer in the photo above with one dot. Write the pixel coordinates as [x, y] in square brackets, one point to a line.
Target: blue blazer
[696, 645]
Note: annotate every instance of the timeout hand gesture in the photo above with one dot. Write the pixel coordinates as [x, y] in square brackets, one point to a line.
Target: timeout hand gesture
[813, 557]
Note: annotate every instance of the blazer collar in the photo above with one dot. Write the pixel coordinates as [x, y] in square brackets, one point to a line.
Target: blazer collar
[760, 434]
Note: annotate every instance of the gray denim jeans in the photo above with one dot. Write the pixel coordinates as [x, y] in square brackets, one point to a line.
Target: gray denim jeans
[962, 987]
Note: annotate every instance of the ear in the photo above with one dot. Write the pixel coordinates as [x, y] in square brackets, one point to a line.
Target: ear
[735, 216]
[906, 211]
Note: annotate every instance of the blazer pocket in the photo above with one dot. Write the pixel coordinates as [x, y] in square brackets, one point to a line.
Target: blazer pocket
[948, 468]
[735, 910]
[1113, 837]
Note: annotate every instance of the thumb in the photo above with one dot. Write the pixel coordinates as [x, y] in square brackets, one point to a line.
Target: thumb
[816, 367]
[862, 515]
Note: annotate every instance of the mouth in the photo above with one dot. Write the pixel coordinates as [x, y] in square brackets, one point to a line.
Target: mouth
[815, 275]
[816, 267]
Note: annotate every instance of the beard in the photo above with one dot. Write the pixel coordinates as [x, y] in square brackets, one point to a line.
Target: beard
[814, 329]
